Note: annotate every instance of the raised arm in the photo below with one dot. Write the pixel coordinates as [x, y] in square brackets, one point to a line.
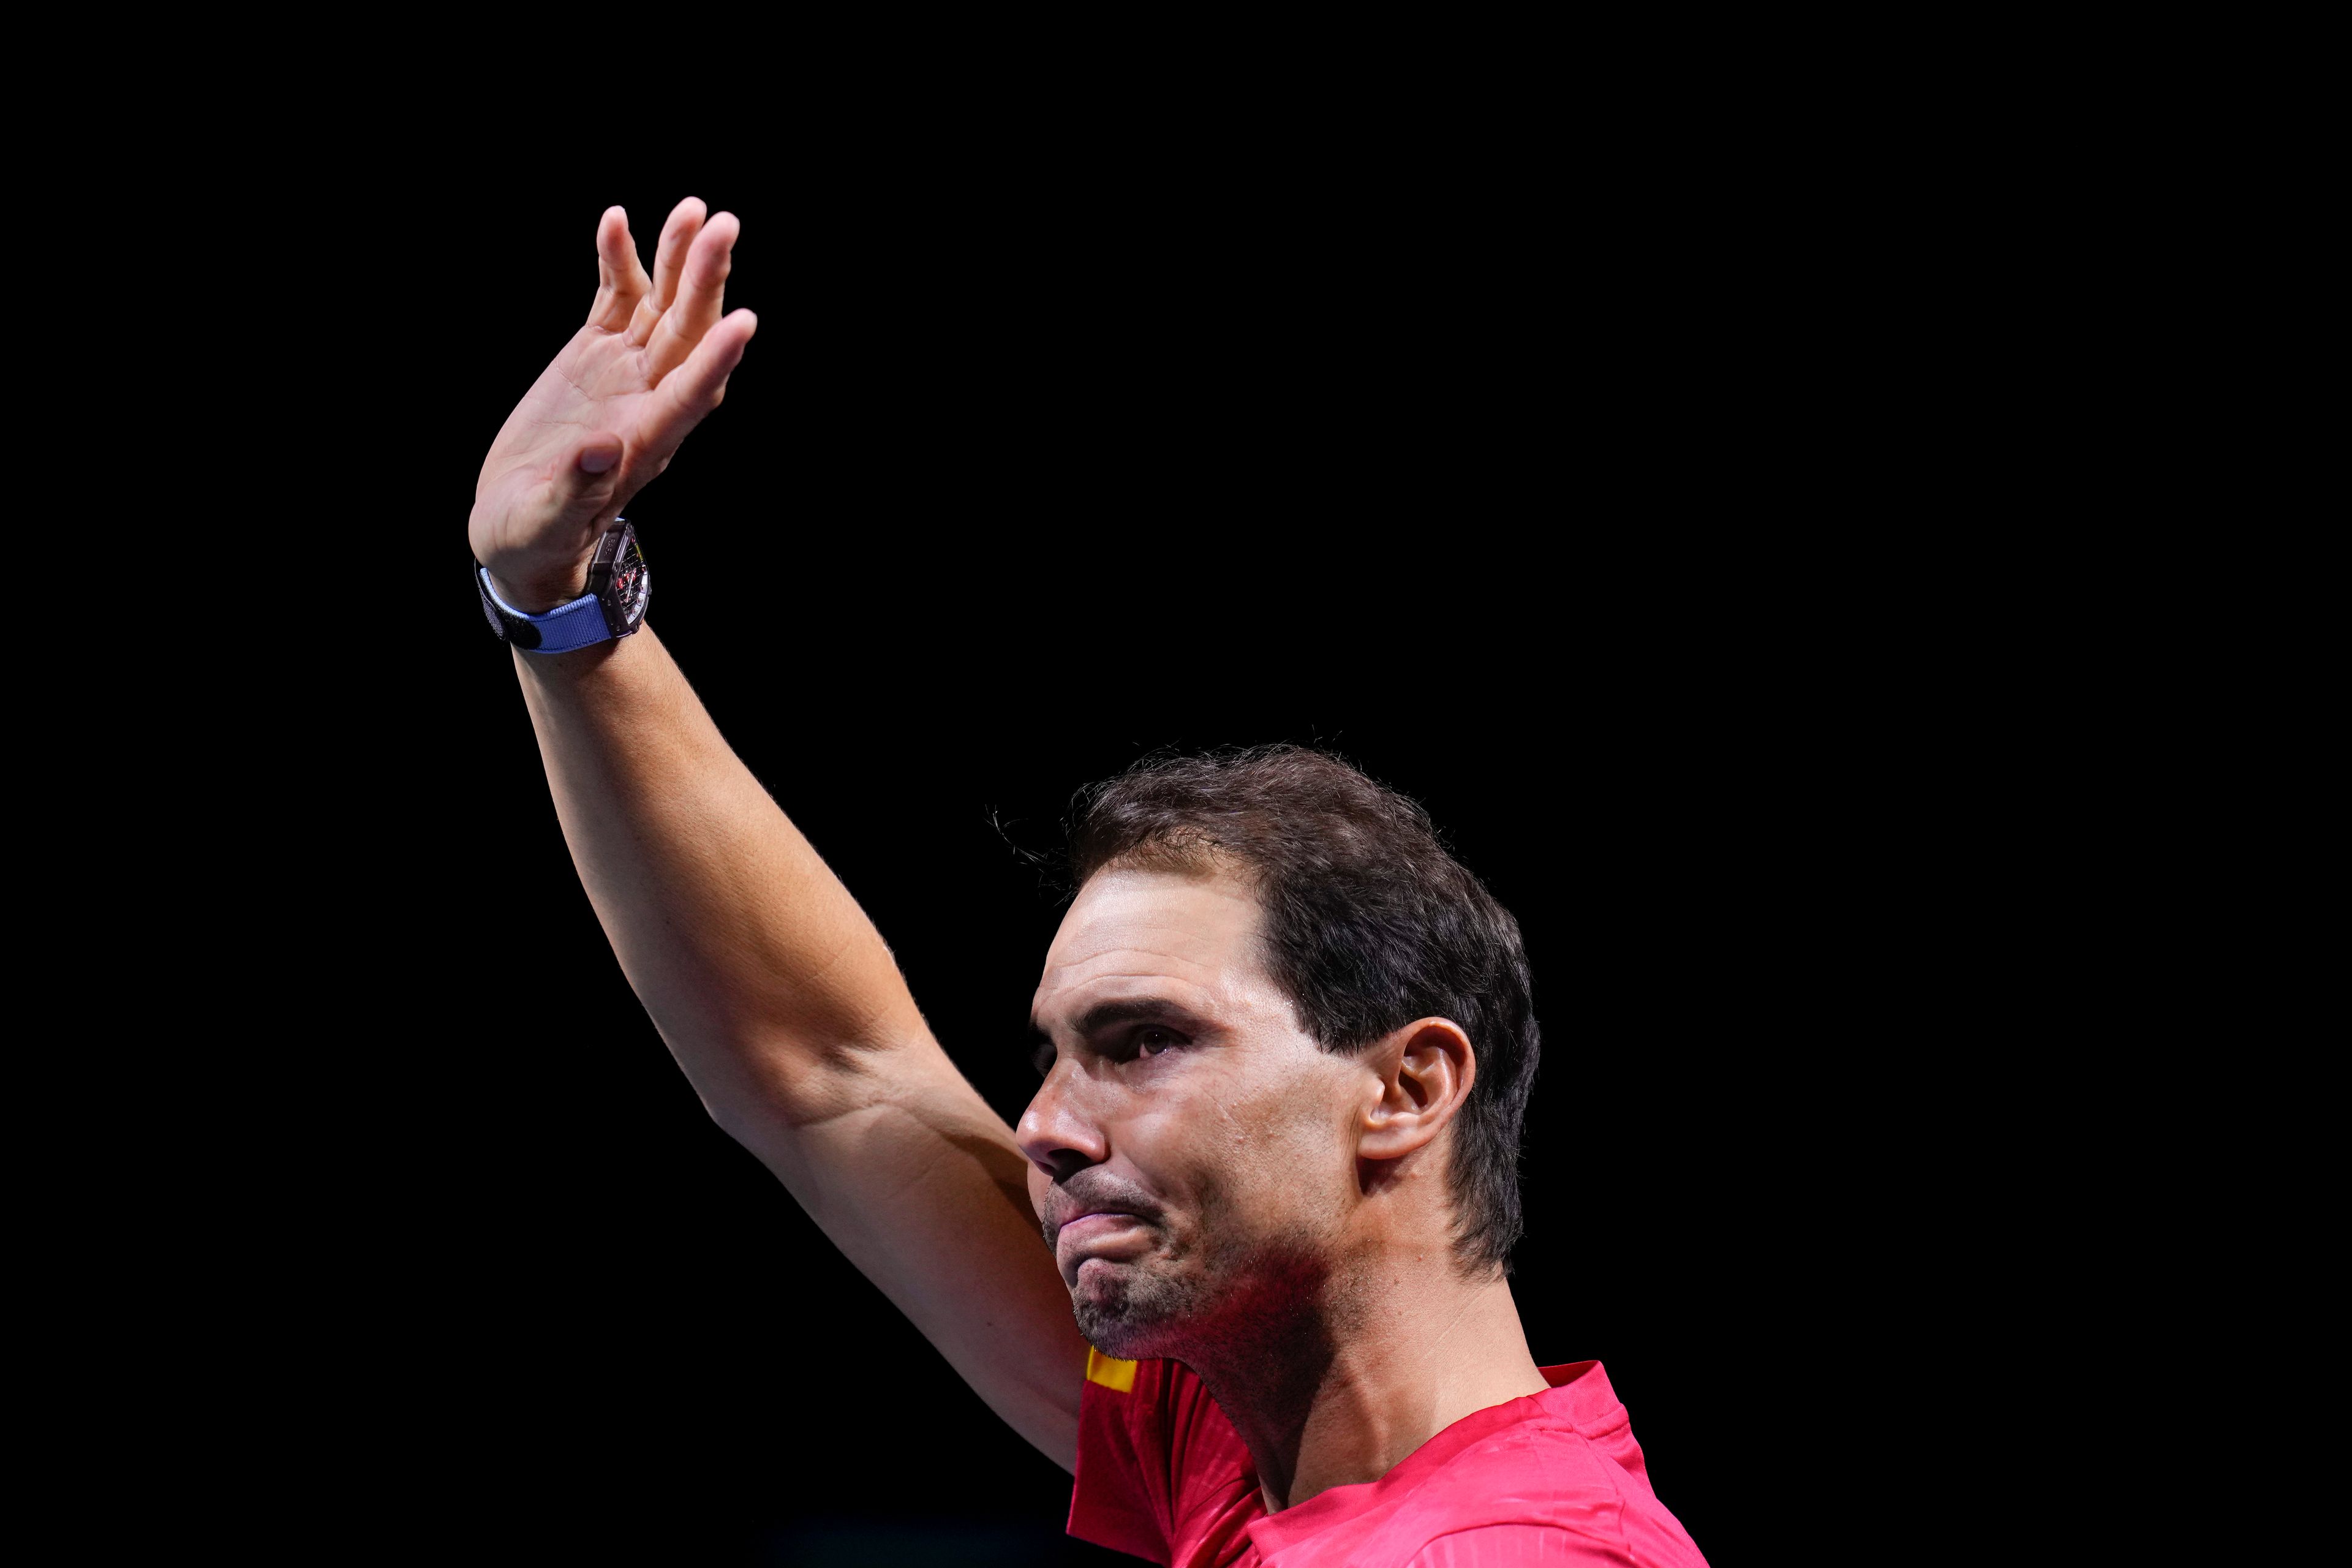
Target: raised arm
[771, 988]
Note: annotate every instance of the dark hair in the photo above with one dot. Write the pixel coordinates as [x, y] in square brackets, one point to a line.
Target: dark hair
[1368, 924]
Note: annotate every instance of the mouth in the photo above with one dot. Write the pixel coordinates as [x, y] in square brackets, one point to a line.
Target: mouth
[1108, 1234]
[1101, 1219]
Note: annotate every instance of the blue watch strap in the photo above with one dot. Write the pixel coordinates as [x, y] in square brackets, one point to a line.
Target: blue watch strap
[562, 630]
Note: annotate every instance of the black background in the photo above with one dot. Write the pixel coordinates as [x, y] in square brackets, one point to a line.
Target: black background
[1028, 475]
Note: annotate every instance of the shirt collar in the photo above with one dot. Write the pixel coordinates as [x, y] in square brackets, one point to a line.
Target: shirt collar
[1580, 1396]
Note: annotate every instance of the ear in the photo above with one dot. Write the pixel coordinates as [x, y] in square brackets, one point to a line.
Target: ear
[1424, 1071]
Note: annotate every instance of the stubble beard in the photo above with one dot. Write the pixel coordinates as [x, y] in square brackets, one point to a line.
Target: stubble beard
[1132, 1311]
[1245, 1295]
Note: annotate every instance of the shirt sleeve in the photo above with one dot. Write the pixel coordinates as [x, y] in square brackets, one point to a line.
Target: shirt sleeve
[1160, 1470]
[1519, 1546]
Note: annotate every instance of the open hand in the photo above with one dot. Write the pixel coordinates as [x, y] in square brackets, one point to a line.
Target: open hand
[610, 411]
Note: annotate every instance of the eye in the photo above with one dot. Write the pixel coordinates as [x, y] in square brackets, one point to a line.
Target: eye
[1151, 1039]
[1042, 1058]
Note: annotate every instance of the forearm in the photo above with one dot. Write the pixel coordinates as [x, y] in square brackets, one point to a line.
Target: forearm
[765, 978]
[771, 988]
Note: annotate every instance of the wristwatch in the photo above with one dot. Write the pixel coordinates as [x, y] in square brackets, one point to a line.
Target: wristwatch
[613, 606]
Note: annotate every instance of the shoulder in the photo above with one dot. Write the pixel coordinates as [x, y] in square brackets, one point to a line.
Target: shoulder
[1546, 1490]
[1537, 1472]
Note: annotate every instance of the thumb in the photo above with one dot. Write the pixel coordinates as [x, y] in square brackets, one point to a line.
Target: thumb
[583, 480]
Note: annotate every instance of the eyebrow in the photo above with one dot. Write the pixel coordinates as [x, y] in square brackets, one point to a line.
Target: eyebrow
[1133, 1010]
[1107, 1015]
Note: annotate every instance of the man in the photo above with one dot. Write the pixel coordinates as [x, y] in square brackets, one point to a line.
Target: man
[1285, 1041]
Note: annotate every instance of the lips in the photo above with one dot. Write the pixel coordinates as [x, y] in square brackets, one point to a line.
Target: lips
[1098, 1218]
[1066, 1206]
[1101, 1222]
[1103, 1236]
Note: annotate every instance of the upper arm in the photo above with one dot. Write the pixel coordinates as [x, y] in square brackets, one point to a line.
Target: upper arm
[906, 1168]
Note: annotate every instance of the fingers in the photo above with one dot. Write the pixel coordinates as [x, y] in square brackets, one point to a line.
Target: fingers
[701, 295]
[678, 237]
[620, 279]
[697, 387]
[684, 222]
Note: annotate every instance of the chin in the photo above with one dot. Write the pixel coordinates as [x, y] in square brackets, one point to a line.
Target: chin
[1129, 1313]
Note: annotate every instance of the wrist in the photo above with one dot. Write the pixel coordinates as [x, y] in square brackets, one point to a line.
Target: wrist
[540, 612]
[538, 593]
[556, 670]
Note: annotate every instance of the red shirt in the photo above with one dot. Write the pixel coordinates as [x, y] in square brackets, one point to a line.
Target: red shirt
[1555, 1478]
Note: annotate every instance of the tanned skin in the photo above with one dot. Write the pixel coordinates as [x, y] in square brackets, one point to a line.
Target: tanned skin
[1294, 1245]
[1212, 1185]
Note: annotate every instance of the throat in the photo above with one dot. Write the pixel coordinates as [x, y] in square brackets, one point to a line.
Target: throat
[1344, 1392]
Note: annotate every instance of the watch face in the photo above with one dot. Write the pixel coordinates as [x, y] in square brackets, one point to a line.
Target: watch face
[624, 584]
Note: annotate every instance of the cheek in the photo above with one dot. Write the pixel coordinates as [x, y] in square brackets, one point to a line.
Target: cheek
[1282, 1156]
[1190, 1155]
[1236, 1156]
[1314, 1161]
[1168, 1145]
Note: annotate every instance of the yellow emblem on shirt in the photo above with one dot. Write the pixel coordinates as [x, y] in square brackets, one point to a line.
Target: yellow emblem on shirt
[1116, 1375]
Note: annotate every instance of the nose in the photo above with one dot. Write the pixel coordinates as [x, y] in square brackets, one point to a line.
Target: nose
[1056, 1132]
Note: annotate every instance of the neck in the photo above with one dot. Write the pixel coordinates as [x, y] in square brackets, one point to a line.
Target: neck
[1343, 1391]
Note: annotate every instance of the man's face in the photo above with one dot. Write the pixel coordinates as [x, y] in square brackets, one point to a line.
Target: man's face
[1191, 1153]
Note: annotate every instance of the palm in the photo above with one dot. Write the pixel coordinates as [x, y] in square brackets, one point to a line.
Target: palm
[599, 384]
[609, 412]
